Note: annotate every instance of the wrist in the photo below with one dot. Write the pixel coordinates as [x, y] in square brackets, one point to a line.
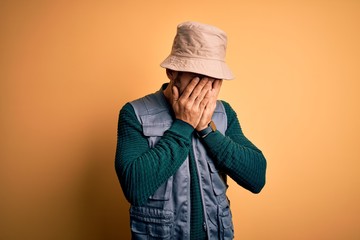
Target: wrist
[200, 128]
[207, 130]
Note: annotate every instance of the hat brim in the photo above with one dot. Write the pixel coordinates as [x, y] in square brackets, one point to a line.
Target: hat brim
[208, 67]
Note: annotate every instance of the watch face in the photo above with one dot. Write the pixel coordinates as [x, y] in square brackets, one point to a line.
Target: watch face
[213, 126]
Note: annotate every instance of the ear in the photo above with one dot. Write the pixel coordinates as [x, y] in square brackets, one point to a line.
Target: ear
[171, 74]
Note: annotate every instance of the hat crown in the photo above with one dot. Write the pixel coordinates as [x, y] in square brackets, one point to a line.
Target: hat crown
[199, 48]
[196, 40]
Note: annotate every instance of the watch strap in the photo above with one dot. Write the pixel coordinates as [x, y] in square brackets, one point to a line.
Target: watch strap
[211, 128]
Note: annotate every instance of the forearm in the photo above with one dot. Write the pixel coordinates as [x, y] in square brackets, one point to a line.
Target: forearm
[141, 169]
[246, 166]
[236, 155]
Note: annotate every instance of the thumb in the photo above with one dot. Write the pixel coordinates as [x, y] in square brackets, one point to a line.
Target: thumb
[175, 93]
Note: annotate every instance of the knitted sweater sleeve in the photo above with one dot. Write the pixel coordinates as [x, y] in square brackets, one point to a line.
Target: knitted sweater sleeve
[141, 170]
[236, 155]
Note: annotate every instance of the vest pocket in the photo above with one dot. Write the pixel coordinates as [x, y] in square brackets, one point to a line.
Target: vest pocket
[227, 229]
[151, 223]
[155, 132]
[164, 191]
[218, 183]
[221, 225]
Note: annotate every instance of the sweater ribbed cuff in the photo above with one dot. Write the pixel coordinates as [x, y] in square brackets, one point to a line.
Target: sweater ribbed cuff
[182, 128]
[212, 141]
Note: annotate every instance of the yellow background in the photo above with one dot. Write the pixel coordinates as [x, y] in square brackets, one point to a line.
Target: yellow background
[67, 67]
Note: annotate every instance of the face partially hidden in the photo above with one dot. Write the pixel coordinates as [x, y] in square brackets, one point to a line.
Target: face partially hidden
[183, 79]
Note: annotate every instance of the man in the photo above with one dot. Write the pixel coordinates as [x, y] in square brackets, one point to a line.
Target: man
[176, 146]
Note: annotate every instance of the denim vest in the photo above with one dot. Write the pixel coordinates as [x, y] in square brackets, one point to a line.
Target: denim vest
[166, 215]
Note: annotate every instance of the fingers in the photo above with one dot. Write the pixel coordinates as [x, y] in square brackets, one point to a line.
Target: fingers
[212, 91]
[194, 93]
[175, 93]
[200, 97]
[190, 87]
[209, 104]
[196, 103]
[217, 84]
[200, 90]
[205, 97]
[216, 87]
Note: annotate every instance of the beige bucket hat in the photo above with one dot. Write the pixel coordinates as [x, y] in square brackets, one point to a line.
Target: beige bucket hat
[199, 48]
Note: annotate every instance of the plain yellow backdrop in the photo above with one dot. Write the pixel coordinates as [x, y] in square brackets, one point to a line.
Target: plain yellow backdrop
[67, 67]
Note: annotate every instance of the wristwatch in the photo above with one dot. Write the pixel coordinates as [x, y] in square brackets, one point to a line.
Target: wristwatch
[211, 128]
